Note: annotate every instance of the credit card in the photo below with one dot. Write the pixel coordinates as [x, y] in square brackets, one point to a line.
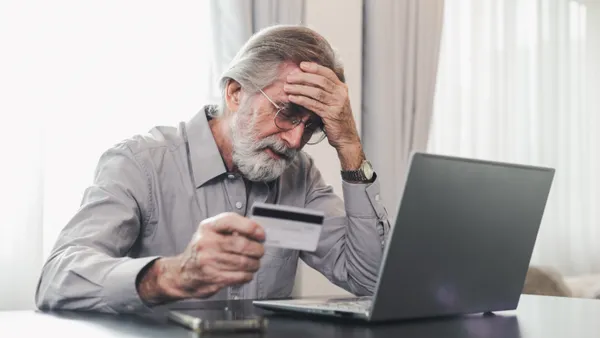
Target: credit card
[289, 227]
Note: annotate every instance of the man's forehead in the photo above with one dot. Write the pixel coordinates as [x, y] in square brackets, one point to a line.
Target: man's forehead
[275, 90]
[286, 69]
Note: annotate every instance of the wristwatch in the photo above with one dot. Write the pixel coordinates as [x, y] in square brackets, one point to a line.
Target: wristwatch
[364, 174]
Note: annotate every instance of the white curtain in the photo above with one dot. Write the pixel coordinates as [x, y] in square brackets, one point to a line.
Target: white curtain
[75, 78]
[401, 49]
[512, 86]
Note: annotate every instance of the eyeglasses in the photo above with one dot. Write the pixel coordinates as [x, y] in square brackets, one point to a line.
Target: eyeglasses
[291, 115]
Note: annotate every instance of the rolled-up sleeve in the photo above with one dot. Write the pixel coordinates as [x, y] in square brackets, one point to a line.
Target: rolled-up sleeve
[89, 267]
[351, 245]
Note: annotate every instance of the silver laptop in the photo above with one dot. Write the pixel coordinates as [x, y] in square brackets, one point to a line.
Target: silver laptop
[461, 244]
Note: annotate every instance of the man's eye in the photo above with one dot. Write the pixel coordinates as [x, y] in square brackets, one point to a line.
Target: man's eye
[296, 110]
[316, 121]
[310, 129]
[285, 113]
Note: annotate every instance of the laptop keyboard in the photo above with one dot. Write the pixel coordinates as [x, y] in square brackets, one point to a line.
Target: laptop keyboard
[360, 304]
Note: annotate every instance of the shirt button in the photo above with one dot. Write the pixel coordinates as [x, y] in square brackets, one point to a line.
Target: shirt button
[231, 177]
[236, 297]
[239, 205]
[377, 197]
[129, 307]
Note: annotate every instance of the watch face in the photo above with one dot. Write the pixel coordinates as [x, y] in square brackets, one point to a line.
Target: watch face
[367, 169]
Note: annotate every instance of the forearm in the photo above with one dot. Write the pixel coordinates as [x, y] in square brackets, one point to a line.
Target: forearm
[81, 278]
[353, 236]
[351, 156]
[366, 232]
[88, 269]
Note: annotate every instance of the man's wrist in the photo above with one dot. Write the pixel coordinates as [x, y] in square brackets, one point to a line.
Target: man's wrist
[351, 156]
[153, 285]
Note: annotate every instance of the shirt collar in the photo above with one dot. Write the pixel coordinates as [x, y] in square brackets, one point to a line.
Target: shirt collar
[205, 158]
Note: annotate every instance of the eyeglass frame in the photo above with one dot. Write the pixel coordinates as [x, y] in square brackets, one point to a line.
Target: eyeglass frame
[295, 122]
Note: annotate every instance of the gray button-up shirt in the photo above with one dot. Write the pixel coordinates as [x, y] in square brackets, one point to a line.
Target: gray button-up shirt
[150, 193]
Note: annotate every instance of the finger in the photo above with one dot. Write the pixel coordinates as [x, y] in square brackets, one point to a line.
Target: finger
[312, 80]
[309, 103]
[237, 277]
[313, 92]
[222, 279]
[241, 245]
[205, 291]
[316, 68]
[232, 262]
[228, 223]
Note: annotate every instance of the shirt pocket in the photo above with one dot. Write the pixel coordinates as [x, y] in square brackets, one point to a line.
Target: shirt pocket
[275, 278]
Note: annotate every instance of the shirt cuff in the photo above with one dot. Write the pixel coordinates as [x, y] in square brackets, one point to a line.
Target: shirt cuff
[120, 291]
[363, 200]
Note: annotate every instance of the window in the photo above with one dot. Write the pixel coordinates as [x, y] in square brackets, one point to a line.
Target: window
[515, 84]
[78, 77]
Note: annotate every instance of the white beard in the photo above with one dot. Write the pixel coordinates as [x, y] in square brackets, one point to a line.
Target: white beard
[249, 154]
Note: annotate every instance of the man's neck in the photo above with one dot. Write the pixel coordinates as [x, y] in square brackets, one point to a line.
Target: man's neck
[220, 130]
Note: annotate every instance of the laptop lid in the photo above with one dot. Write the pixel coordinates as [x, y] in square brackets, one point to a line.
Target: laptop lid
[463, 237]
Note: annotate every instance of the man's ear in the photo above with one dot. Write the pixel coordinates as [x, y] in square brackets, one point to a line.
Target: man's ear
[233, 95]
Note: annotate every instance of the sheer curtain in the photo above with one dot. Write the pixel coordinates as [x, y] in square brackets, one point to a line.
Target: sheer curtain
[77, 77]
[401, 50]
[512, 86]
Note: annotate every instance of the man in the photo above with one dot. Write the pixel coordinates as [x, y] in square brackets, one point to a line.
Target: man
[165, 217]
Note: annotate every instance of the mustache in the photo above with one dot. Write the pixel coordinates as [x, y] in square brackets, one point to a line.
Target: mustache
[277, 146]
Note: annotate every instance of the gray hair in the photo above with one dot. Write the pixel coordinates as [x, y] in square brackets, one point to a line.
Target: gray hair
[257, 63]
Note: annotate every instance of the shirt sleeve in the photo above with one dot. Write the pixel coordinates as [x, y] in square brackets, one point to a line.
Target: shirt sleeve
[89, 267]
[351, 245]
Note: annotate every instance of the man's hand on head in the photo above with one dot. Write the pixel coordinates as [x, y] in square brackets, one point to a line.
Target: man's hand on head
[225, 251]
[318, 89]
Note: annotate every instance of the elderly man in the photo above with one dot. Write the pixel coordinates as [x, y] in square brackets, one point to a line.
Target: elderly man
[165, 217]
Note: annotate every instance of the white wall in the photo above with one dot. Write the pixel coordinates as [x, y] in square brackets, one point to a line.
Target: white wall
[340, 22]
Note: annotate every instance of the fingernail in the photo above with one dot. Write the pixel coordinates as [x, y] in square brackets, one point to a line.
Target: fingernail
[305, 65]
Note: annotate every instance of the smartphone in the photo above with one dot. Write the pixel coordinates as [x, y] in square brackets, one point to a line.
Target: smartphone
[196, 321]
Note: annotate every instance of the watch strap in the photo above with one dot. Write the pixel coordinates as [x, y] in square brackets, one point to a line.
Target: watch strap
[354, 175]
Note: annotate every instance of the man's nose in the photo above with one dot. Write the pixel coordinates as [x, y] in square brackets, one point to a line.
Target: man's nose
[293, 137]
